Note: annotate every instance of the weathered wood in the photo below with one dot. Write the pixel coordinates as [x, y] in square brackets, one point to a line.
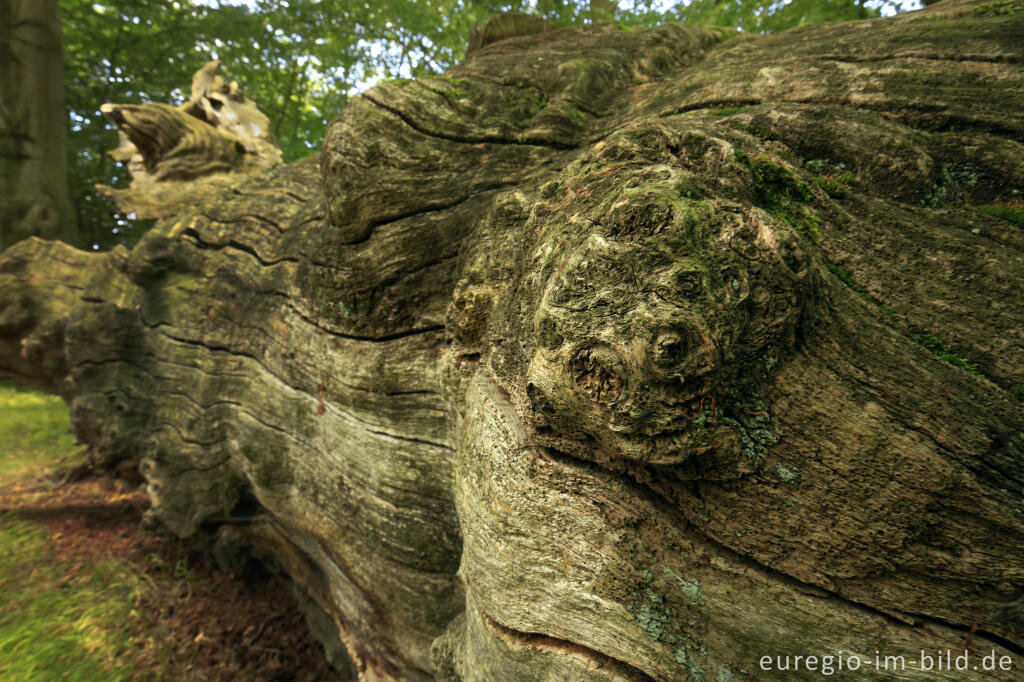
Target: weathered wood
[604, 356]
[178, 154]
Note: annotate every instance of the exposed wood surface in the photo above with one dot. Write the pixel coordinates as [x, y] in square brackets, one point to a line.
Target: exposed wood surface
[609, 355]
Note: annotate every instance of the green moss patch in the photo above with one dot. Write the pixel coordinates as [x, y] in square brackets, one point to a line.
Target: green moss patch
[836, 186]
[522, 104]
[952, 178]
[996, 9]
[846, 279]
[757, 131]
[1011, 214]
[778, 191]
[947, 353]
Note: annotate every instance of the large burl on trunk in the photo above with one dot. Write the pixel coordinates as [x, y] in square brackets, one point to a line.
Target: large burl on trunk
[608, 355]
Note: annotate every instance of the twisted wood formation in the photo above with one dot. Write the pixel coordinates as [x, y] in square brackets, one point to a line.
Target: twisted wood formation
[606, 356]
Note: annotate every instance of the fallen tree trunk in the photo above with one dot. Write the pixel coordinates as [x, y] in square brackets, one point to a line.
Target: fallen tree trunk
[609, 355]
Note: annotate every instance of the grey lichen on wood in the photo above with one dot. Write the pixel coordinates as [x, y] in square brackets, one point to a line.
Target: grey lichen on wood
[606, 355]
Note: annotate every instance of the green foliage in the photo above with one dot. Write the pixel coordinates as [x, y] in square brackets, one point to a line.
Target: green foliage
[1012, 214]
[1017, 391]
[299, 61]
[54, 627]
[942, 349]
[34, 430]
[778, 191]
[128, 51]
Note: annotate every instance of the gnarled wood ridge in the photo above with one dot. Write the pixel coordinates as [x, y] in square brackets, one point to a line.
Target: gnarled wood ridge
[608, 355]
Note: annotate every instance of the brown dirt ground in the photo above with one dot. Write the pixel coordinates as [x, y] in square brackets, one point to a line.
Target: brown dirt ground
[217, 626]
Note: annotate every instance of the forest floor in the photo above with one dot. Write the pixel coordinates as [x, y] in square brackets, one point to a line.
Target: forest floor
[87, 593]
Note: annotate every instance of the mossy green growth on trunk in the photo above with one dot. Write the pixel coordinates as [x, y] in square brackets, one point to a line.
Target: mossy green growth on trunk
[942, 349]
[1011, 214]
[778, 191]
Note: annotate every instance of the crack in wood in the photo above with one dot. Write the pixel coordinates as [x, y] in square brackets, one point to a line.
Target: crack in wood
[564, 647]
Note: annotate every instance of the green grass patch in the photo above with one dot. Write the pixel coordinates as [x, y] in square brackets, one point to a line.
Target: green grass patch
[1017, 391]
[947, 353]
[59, 627]
[34, 432]
[1011, 214]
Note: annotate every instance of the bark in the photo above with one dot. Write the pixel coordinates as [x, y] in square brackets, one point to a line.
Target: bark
[33, 165]
[608, 355]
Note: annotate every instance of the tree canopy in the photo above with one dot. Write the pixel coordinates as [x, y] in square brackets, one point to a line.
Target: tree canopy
[300, 60]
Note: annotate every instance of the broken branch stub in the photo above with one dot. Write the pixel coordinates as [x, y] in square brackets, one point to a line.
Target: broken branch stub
[217, 139]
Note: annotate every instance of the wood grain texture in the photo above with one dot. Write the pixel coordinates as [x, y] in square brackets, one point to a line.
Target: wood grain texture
[608, 355]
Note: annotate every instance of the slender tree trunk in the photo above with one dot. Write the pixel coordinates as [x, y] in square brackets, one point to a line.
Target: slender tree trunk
[36, 199]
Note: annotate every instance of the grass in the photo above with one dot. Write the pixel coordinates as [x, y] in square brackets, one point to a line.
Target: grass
[34, 432]
[57, 623]
[82, 600]
[58, 627]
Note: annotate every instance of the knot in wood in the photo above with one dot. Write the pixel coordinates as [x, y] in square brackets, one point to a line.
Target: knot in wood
[595, 374]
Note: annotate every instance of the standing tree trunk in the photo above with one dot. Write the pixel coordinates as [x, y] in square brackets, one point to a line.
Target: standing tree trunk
[36, 199]
[608, 355]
